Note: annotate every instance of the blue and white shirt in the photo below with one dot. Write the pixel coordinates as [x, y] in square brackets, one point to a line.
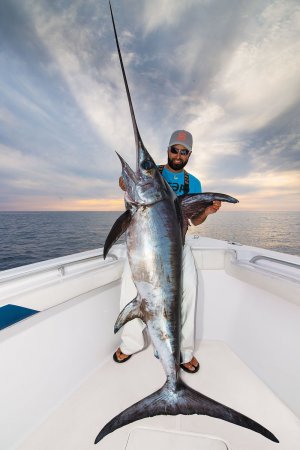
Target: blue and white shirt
[176, 181]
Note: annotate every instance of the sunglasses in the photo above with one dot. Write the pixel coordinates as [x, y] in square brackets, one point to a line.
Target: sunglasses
[176, 150]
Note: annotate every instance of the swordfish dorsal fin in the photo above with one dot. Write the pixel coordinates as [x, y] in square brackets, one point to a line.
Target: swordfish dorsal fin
[194, 204]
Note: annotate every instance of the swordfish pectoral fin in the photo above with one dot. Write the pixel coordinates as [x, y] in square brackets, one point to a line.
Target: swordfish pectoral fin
[118, 228]
[184, 400]
[131, 311]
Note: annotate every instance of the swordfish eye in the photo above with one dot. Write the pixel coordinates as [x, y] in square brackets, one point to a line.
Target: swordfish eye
[147, 164]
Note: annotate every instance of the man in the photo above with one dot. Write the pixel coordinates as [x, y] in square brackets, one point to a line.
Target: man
[179, 152]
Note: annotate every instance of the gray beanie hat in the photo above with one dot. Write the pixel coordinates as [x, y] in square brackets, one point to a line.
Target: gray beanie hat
[182, 137]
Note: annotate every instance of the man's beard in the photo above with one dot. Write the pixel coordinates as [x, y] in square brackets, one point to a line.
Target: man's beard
[179, 166]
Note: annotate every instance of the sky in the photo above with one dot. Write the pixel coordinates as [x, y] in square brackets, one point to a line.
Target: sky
[228, 71]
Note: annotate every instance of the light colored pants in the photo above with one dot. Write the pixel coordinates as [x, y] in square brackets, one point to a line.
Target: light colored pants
[132, 334]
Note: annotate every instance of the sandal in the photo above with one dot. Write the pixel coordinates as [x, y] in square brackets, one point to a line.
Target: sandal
[186, 369]
[117, 355]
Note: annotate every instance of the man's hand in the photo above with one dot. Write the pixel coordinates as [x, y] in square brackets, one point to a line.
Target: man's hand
[213, 208]
[197, 220]
[122, 184]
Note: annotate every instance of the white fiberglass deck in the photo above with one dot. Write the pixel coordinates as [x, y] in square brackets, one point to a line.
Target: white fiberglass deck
[114, 387]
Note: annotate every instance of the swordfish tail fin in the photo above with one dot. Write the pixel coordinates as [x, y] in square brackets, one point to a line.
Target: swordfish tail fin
[184, 400]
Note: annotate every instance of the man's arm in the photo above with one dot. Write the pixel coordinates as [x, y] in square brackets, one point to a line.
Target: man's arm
[198, 219]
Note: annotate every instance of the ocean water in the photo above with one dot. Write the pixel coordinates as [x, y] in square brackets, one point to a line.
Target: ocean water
[29, 237]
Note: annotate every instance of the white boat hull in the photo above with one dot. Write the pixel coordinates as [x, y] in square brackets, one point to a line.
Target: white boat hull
[59, 384]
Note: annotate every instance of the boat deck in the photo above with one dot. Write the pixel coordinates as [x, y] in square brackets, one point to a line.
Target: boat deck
[112, 388]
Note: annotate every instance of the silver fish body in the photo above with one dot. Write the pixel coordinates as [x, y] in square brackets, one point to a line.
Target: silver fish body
[154, 245]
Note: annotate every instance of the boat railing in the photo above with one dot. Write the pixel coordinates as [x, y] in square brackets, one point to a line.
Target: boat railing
[274, 260]
[59, 267]
[275, 267]
[279, 276]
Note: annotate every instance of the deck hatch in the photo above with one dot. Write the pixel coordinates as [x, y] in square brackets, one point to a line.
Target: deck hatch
[151, 438]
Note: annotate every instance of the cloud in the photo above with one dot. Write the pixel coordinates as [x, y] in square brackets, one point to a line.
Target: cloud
[166, 13]
[262, 77]
[247, 123]
[226, 71]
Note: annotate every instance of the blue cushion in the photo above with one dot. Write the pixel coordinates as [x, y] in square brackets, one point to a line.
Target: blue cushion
[10, 314]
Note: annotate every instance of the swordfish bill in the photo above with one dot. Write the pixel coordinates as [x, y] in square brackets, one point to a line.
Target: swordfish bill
[138, 140]
[153, 222]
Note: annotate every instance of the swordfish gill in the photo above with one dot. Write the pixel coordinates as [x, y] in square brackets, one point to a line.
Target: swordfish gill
[156, 221]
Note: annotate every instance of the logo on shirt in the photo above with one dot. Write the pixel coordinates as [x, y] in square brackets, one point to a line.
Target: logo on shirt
[177, 188]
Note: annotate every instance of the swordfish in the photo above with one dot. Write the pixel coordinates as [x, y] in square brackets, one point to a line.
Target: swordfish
[155, 222]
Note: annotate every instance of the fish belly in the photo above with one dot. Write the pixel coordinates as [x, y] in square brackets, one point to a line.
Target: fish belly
[154, 248]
